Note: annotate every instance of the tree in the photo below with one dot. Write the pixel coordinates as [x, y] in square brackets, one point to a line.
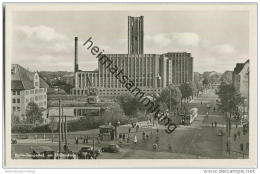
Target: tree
[205, 82]
[227, 77]
[230, 98]
[33, 113]
[171, 96]
[186, 90]
[14, 120]
[53, 124]
[113, 113]
[130, 104]
[194, 88]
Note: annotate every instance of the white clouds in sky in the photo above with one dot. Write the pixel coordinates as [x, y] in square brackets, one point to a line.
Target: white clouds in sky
[44, 37]
[50, 48]
[175, 39]
[223, 49]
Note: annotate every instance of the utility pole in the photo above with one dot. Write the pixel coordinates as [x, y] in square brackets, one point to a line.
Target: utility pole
[170, 101]
[59, 130]
[66, 143]
[93, 147]
[62, 125]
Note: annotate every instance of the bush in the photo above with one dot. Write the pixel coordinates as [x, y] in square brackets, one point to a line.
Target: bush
[31, 129]
[42, 129]
[22, 129]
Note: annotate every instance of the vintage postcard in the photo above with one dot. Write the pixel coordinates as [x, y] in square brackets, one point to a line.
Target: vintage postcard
[130, 85]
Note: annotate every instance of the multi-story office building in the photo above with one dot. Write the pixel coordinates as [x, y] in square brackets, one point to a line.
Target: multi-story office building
[26, 87]
[135, 35]
[149, 72]
[240, 79]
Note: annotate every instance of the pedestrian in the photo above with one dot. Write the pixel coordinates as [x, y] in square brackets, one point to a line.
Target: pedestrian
[212, 124]
[157, 130]
[214, 109]
[128, 139]
[77, 140]
[135, 139]
[147, 136]
[129, 130]
[169, 147]
[144, 136]
[86, 139]
[137, 128]
[201, 102]
[124, 137]
[157, 139]
[242, 147]
[215, 124]
[98, 139]
[238, 134]
[235, 137]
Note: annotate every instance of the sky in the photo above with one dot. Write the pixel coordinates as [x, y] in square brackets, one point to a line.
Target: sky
[44, 41]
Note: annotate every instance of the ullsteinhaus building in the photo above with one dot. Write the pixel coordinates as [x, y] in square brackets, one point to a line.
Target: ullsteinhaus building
[149, 72]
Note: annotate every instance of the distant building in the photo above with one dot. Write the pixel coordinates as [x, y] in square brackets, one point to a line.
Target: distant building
[240, 80]
[149, 72]
[26, 87]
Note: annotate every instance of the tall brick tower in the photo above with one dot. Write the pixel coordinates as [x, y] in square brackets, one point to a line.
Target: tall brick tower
[135, 35]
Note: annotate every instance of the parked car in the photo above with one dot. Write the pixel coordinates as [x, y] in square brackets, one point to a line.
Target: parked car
[85, 152]
[220, 132]
[112, 148]
[13, 141]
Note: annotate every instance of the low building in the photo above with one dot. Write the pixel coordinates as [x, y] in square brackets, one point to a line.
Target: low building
[27, 87]
[73, 112]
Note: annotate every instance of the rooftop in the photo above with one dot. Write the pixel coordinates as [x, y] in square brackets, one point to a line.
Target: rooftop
[22, 79]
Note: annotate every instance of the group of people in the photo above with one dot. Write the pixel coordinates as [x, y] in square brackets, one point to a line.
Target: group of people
[212, 124]
[85, 140]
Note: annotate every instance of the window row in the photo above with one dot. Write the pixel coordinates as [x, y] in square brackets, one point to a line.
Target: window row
[16, 92]
[36, 91]
[16, 100]
[16, 108]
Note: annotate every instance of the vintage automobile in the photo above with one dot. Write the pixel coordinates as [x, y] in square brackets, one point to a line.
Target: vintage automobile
[112, 148]
[85, 152]
[13, 141]
[220, 132]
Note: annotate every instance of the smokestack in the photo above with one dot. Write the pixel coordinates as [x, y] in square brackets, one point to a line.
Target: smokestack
[76, 66]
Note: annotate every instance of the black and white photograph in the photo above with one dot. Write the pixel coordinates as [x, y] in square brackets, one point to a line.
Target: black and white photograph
[93, 83]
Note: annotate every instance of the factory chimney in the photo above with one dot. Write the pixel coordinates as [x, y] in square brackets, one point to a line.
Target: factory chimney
[76, 66]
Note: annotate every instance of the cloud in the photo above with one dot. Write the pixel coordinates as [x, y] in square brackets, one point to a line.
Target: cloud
[41, 39]
[185, 39]
[223, 49]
